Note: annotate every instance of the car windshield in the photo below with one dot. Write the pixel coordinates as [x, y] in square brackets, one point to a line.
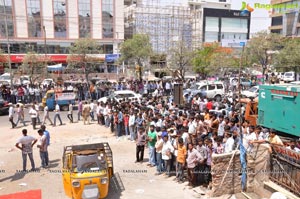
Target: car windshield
[194, 86]
[288, 74]
[253, 89]
[5, 77]
[90, 163]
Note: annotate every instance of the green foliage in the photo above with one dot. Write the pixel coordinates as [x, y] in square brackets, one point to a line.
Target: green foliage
[79, 55]
[138, 49]
[288, 58]
[258, 48]
[203, 59]
[180, 58]
[33, 65]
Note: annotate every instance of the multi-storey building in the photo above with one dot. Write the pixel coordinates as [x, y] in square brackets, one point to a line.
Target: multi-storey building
[285, 17]
[56, 24]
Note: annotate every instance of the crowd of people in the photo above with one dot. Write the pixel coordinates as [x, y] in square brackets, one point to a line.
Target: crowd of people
[177, 137]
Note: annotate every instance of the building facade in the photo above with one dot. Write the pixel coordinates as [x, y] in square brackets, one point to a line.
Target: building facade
[34, 24]
[285, 18]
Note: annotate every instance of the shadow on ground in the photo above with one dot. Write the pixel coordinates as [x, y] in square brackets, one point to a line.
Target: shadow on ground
[116, 187]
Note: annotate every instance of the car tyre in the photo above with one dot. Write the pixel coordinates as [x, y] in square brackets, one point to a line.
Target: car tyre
[65, 108]
[218, 98]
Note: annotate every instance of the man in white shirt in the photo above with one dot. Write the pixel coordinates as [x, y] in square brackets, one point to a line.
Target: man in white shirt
[57, 115]
[11, 112]
[70, 112]
[166, 153]
[42, 145]
[46, 116]
[92, 110]
[229, 143]
[293, 147]
[131, 124]
[27, 143]
[33, 115]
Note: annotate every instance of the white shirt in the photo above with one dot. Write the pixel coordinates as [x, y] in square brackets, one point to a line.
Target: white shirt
[295, 149]
[229, 145]
[192, 127]
[131, 120]
[11, 111]
[46, 111]
[33, 113]
[57, 109]
[26, 142]
[70, 109]
[221, 128]
[167, 146]
[185, 137]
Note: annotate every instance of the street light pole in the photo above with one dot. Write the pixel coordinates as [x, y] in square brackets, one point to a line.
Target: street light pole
[7, 43]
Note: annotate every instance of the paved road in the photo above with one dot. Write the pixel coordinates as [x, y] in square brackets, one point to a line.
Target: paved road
[135, 181]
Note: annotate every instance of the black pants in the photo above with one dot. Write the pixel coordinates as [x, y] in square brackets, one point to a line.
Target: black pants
[70, 117]
[140, 153]
[201, 174]
[33, 123]
[11, 119]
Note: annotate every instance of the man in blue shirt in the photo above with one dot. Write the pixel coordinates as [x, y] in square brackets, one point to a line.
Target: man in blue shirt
[47, 134]
[120, 124]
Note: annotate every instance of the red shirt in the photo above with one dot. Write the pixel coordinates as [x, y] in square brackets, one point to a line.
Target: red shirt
[209, 105]
[126, 120]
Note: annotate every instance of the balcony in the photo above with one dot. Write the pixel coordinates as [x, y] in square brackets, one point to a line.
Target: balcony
[275, 27]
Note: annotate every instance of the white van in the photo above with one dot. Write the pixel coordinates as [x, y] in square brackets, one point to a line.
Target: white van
[289, 77]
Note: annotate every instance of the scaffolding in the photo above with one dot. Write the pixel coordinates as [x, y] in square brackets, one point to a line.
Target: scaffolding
[166, 23]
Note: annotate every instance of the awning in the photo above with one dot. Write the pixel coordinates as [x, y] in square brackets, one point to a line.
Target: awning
[111, 57]
[57, 67]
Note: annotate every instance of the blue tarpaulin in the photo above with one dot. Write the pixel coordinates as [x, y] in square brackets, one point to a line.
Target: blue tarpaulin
[111, 57]
[57, 67]
[243, 153]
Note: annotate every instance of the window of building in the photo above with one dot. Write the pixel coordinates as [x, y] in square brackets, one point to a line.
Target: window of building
[107, 19]
[34, 18]
[231, 35]
[212, 22]
[59, 16]
[211, 36]
[276, 21]
[84, 9]
[232, 23]
[6, 7]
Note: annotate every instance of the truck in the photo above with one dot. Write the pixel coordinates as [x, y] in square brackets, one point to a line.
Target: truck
[87, 170]
[62, 98]
[276, 107]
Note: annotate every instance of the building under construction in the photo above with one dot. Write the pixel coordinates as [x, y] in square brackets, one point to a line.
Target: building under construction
[164, 23]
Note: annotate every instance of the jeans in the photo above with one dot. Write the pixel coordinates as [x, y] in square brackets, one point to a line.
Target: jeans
[92, 115]
[152, 155]
[21, 119]
[126, 130]
[119, 129]
[44, 119]
[47, 158]
[43, 157]
[11, 119]
[33, 120]
[24, 157]
[159, 165]
[140, 153]
[57, 116]
[107, 121]
[191, 176]
[180, 171]
[79, 114]
[132, 134]
[168, 167]
[70, 117]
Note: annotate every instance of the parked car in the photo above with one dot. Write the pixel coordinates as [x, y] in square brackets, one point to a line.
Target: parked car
[121, 95]
[5, 77]
[47, 82]
[252, 92]
[3, 106]
[211, 90]
[288, 77]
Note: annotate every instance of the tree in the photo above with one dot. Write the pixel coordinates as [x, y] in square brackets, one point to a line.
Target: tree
[203, 59]
[223, 57]
[80, 56]
[259, 47]
[136, 50]
[180, 58]
[288, 57]
[33, 65]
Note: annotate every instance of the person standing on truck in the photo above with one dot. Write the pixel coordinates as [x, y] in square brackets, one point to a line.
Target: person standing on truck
[46, 116]
[70, 112]
[42, 145]
[27, 142]
[57, 115]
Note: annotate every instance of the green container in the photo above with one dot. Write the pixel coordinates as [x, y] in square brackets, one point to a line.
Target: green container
[279, 108]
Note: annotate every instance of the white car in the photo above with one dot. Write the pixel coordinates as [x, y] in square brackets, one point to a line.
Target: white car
[288, 77]
[47, 82]
[252, 92]
[211, 90]
[121, 95]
